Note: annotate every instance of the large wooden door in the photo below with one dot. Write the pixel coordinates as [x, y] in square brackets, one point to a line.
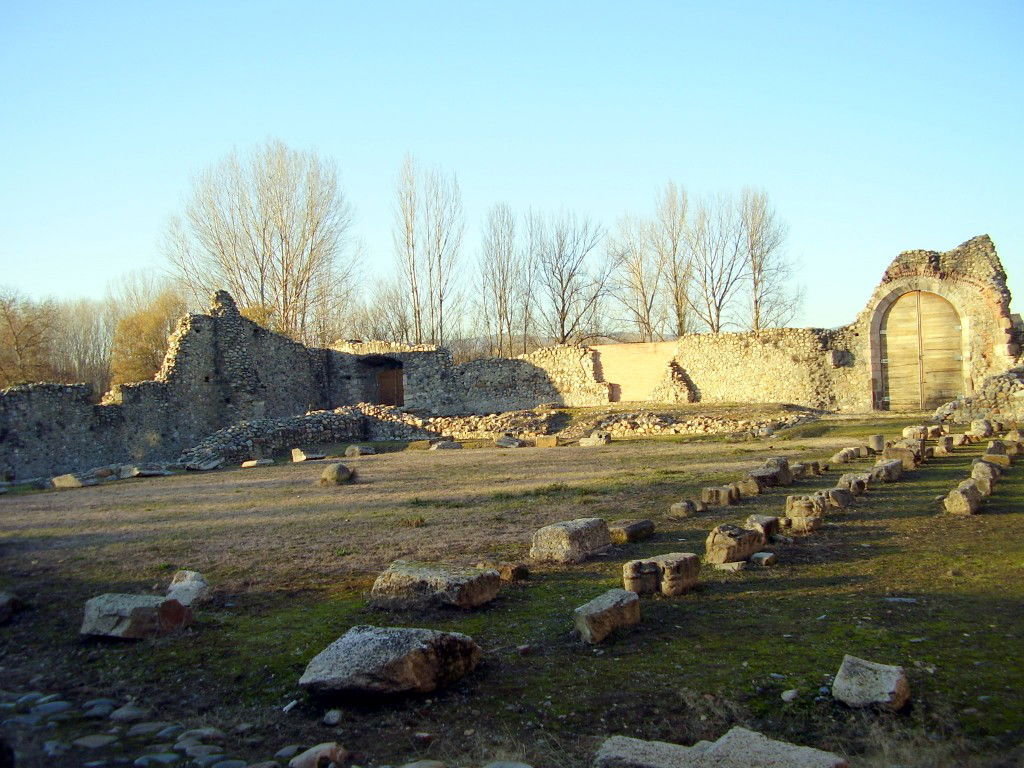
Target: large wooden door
[922, 363]
[390, 389]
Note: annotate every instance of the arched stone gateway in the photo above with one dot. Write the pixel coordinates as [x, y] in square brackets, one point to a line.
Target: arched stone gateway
[921, 352]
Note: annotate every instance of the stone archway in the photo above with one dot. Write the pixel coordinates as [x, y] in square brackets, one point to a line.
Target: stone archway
[919, 342]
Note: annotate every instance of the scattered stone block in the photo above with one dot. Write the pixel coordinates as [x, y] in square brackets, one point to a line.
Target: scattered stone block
[855, 484]
[876, 443]
[915, 433]
[188, 588]
[572, 541]
[892, 469]
[205, 465]
[509, 441]
[749, 486]
[681, 509]
[324, 754]
[861, 683]
[982, 428]
[360, 450]
[743, 748]
[390, 660]
[627, 752]
[626, 531]
[765, 477]
[996, 448]
[257, 463]
[999, 459]
[720, 496]
[963, 500]
[507, 571]
[730, 543]
[546, 441]
[944, 445]
[641, 577]
[780, 466]
[763, 559]
[732, 566]
[335, 474]
[62, 482]
[959, 440]
[596, 438]
[446, 445]
[906, 456]
[133, 617]
[678, 572]
[840, 498]
[407, 585]
[985, 475]
[613, 610]
[299, 454]
[766, 525]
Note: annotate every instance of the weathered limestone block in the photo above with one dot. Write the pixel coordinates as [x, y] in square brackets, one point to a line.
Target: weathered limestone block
[840, 498]
[814, 467]
[596, 438]
[604, 614]
[876, 443]
[766, 525]
[999, 459]
[763, 559]
[730, 543]
[996, 448]
[446, 445]
[681, 509]
[188, 588]
[62, 482]
[891, 469]
[507, 571]
[906, 456]
[844, 456]
[936, 431]
[944, 446]
[960, 440]
[390, 660]
[985, 475]
[813, 504]
[509, 441]
[133, 617]
[335, 474]
[1014, 436]
[780, 465]
[749, 486]
[982, 428]
[251, 463]
[546, 441]
[360, 450]
[419, 585]
[627, 752]
[572, 541]
[626, 531]
[742, 748]
[720, 496]
[300, 454]
[678, 572]
[855, 484]
[915, 433]
[765, 477]
[640, 576]
[963, 500]
[861, 683]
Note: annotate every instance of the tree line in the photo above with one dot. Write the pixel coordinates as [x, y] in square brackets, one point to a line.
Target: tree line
[275, 228]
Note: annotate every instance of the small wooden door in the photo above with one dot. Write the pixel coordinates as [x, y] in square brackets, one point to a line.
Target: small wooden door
[922, 361]
[390, 389]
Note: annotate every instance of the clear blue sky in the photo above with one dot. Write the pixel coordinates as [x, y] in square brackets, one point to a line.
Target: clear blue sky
[875, 127]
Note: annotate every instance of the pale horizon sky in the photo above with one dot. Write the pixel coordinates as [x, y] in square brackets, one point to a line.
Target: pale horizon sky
[875, 128]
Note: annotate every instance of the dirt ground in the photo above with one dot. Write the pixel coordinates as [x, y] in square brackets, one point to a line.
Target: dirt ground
[290, 563]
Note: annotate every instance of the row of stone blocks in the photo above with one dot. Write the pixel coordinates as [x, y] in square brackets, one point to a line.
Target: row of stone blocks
[967, 497]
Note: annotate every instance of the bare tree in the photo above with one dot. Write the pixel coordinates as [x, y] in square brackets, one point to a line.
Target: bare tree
[500, 267]
[773, 299]
[385, 313]
[638, 277]
[82, 340]
[572, 286]
[271, 228]
[26, 335]
[443, 228]
[406, 239]
[668, 239]
[717, 249]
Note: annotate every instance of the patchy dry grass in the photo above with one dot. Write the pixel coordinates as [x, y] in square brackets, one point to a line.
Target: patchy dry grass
[291, 563]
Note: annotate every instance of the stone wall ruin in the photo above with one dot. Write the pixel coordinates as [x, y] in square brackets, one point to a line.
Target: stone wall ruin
[222, 369]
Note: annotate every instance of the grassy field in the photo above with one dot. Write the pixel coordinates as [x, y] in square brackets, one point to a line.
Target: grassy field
[291, 564]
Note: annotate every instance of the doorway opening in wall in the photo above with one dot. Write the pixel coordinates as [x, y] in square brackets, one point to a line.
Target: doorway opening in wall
[922, 354]
[385, 380]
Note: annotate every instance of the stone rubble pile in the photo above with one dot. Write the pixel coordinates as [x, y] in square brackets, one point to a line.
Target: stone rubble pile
[634, 423]
[1001, 396]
